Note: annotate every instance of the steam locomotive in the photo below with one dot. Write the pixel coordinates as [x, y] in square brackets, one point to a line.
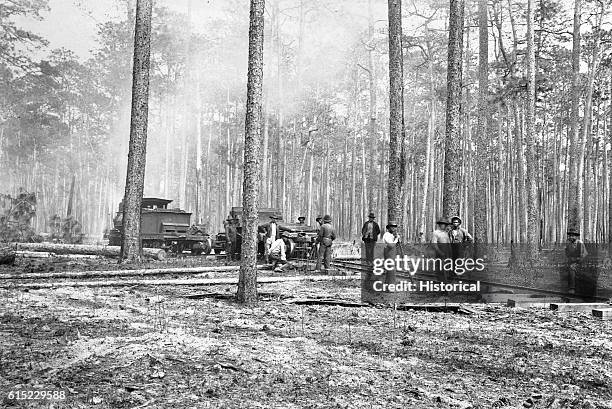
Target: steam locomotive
[164, 228]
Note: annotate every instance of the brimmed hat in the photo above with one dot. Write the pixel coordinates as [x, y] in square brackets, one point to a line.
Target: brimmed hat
[327, 218]
[319, 217]
[456, 218]
[442, 221]
[274, 217]
[372, 215]
[391, 223]
[573, 232]
[301, 218]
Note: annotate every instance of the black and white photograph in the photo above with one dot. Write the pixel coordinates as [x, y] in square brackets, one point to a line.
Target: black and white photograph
[349, 204]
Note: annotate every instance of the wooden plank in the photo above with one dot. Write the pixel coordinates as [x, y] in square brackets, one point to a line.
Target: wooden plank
[603, 313]
[577, 306]
[192, 282]
[532, 302]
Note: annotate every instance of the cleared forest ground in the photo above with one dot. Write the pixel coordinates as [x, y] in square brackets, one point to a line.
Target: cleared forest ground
[157, 348]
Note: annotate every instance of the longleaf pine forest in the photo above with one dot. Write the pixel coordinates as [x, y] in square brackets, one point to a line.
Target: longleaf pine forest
[498, 111]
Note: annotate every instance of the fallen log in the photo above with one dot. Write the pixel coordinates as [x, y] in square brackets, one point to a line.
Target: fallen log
[193, 282]
[119, 273]
[44, 254]
[91, 249]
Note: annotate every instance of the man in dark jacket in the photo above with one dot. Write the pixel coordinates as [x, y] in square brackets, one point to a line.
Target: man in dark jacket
[576, 253]
[325, 238]
[231, 231]
[369, 235]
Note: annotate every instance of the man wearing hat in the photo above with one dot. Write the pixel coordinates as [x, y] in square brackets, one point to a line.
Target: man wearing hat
[575, 252]
[369, 235]
[319, 220]
[440, 244]
[457, 233]
[440, 238]
[301, 219]
[458, 237]
[325, 238]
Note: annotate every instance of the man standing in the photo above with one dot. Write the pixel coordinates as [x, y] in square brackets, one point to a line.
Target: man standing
[231, 232]
[391, 240]
[440, 243]
[369, 235]
[315, 247]
[325, 238]
[575, 252]
[459, 237]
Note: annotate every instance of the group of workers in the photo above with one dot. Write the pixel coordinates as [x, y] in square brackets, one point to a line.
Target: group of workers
[277, 244]
[446, 239]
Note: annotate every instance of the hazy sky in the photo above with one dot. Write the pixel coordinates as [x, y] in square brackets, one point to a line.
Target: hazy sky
[72, 23]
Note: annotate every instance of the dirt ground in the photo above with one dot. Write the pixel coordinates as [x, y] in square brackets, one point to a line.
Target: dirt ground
[146, 347]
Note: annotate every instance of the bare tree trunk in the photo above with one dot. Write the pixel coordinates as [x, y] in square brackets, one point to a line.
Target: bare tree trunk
[131, 244]
[396, 114]
[265, 199]
[452, 160]
[247, 282]
[71, 197]
[372, 137]
[609, 187]
[574, 220]
[480, 210]
[533, 222]
[586, 126]
[431, 131]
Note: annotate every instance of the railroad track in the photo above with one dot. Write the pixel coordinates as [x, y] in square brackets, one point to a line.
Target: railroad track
[357, 266]
[223, 272]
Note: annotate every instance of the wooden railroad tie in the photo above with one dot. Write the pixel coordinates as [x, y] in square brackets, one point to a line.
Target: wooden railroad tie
[578, 306]
[603, 313]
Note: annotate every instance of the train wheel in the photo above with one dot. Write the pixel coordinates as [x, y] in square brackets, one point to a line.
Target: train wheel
[290, 248]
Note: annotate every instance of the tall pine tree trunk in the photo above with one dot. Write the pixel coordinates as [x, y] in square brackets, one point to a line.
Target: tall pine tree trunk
[480, 208]
[533, 222]
[131, 244]
[573, 210]
[396, 113]
[247, 282]
[586, 127]
[452, 150]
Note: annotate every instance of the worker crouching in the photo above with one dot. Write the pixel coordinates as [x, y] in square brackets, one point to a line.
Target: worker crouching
[278, 253]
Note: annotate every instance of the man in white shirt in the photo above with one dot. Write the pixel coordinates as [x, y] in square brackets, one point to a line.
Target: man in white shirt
[271, 235]
[278, 253]
[391, 240]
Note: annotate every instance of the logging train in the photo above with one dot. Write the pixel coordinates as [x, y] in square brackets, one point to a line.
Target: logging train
[164, 228]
